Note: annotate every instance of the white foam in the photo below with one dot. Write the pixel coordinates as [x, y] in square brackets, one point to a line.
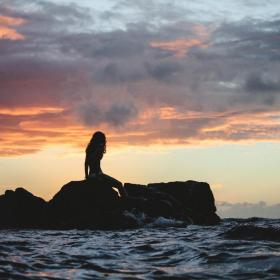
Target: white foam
[139, 217]
[165, 222]
[144, 220]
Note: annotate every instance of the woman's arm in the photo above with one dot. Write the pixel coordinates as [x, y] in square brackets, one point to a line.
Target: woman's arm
[86, 167]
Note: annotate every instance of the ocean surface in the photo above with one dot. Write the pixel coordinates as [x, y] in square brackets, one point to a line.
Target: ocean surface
[164, 249]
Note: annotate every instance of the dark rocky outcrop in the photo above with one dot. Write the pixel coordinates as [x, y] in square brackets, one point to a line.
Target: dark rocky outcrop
[88, 204]
[253, 232]
[21, 208]
[93, 203]
[189, 199]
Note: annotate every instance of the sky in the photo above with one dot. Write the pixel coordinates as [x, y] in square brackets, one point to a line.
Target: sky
[184, 90]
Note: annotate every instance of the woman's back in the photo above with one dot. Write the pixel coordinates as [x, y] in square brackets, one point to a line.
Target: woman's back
[94, 153]
[93, 158]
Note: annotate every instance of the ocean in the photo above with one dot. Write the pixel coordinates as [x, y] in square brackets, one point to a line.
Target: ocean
[163, 249]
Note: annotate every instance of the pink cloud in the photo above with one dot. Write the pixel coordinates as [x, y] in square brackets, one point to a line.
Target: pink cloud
[8, 28]
[180, 47]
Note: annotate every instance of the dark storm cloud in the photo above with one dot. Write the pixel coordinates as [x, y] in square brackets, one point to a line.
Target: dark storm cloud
[110, 45]
[261, 88]
[116, 115]
[115, 73]
[165, 70]
[256, 83]
[119, 114]
[249, 39]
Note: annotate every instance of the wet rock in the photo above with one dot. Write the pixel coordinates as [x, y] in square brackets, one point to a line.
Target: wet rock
[188, 199]
[253, 232]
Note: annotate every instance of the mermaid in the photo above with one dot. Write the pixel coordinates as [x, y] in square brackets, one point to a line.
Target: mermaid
[95, 150]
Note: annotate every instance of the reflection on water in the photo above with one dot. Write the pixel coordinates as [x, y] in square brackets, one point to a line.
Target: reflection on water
[236, 249]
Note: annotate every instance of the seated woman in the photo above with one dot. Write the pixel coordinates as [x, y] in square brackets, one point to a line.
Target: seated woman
[94, 153]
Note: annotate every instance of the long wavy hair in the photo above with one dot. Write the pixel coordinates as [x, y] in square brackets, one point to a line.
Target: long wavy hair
[97, 139]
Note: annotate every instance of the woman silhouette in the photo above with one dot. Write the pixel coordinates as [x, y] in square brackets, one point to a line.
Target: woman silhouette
[94, 153]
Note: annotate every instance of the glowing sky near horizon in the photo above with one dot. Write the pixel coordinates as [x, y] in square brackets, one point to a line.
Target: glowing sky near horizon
[183, 90]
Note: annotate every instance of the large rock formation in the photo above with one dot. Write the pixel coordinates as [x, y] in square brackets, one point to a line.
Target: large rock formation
[93, 203]
[189, 199]
[88, 204]
[20, 208]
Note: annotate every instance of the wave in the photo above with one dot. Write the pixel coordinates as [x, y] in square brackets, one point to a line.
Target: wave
[145, 221]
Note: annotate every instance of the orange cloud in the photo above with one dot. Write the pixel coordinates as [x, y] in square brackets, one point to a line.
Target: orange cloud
[29, 111]
[7, 30]
[28, 130]
[170, 113]
[5, 20]
[180, 47]
[26, 133]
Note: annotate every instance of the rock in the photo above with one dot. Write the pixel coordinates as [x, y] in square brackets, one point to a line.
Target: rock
[188, 199]
[88, 204]
[20, 208]
[136, 190]
[154, 203]
[94, 204]
[253, 232]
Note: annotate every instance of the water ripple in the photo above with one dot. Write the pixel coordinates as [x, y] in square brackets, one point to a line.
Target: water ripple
[236, 249]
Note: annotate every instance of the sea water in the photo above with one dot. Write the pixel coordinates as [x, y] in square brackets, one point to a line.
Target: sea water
[163, 249]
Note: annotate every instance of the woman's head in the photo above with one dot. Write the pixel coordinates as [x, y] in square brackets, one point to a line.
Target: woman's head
[98, 140]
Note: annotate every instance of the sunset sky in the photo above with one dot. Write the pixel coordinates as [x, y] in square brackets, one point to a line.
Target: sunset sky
[182, 89]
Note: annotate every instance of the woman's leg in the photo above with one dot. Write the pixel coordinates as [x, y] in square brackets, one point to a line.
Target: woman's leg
[115, 183]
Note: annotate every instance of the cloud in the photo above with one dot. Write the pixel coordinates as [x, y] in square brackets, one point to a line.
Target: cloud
[113, 73]
[180, 47]
[261, 88]
[7, 28]
[160, 78]
[248, 210]
[115, 115]
[164, 71]
[23, 132]
[10, 21]
[256, 84]
[118, 113]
